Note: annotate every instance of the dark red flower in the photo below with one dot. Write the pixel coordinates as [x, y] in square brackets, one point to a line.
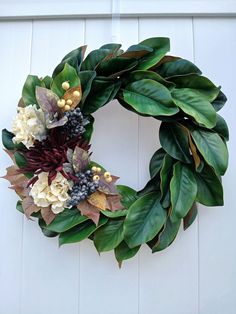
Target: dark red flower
[50, 155]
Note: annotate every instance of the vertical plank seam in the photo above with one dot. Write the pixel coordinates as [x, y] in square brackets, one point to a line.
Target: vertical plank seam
[198, 239]
[138, 173]
[23, 218]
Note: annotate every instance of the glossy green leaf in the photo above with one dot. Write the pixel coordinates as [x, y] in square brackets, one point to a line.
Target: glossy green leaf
[80, 232]
[190, 217]
[195, 105]
[174, 141]
[114, 67]
[7, 139]
[212, 148]
[136, 51]
[45, 231]
[210, 190]
[47, 81]
[73, 58]
[28, 92]
[124, 252]
[144, 220]
[94, 58]
[115, 214]
[112, 47]
[156, 162]
[67, 74]
[88, 129]
[109, 236]
[177, 67]
[160, 45]
[20, 160]
[183, 190]
[149, 97]
[166, 236]
[220, 101]
[86, 79]
[153, 185]
[200, 84]
[221, 127]
[99, 95]
[66, 220]
[165, 176]
[128, 195]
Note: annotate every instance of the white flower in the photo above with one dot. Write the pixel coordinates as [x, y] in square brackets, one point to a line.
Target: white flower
[55, 194]
[29, 125]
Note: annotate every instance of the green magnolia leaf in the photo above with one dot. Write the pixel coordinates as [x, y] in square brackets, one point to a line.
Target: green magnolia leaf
[20, 160]
[220, 101]
[128, 195]
[123, 252]
[183, 190]
[174, 141]
[116, 66]
[195, 105]
[221, 127]
[115, 214]
[165, 176]
[67, 74]
[73, 58]
[166, 236]
[28, 92]
[66, 220]
[210, 190]
[99, 95]
[115, 48]
[86, 79]
[142, 74]
[152, 185]
[160, 45]
[149, 97]
[7, 139]
[197, 83]
[156, 162]
[88, 129]
[212, 148]
[109, 236]
[177, 67]
[144, 220]
[136, 51]
[45, 231]
[190, 217]
[80, 232]
[94, 58]
[47, 80]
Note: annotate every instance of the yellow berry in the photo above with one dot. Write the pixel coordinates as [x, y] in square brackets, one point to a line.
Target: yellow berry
[69, 102]
[76, 93]
[108, 179]
[67, 107]
[61, 103]
[98, 169]
[65, 85]
[94, 168]
[96, 178]
[107, 174]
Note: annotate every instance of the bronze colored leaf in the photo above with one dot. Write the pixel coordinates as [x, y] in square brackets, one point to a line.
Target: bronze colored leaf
[113, 203]
[29, 206]
[89, 211]
[98, 200]
[75, 99]
[17, 180]
[21, 103]
[108, 187]
[80, 159]
[10, 153]
[47, 215]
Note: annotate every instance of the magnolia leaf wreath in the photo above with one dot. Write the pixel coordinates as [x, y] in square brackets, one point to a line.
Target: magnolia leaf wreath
[75, 198]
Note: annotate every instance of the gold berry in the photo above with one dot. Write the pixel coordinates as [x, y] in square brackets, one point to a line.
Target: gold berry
[69, 102]
[76, 93]
[61, 103]
[96, 178]
[94, 168]
[98, 169]
[108, 179]
[107, 174]
[65, 85]
[67, 107]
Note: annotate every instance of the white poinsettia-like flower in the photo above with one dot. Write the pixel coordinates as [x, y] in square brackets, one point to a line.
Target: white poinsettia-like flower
[54, 195]
[29, 125]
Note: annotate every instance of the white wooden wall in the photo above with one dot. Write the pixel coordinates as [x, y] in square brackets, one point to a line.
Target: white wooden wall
[197, 274]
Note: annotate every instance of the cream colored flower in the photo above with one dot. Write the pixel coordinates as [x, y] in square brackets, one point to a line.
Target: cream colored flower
[55, 194]
[29, 125]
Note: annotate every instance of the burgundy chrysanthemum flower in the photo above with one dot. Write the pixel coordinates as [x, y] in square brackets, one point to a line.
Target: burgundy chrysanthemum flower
[50, 155]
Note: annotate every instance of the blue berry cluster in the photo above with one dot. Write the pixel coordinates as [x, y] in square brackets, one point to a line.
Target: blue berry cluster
[84, 187]
[75, 124]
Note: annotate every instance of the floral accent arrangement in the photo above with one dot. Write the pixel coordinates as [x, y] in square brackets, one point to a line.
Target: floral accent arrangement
[72, 196]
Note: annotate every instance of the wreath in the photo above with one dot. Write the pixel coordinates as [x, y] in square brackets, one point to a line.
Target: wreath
[75, 198]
